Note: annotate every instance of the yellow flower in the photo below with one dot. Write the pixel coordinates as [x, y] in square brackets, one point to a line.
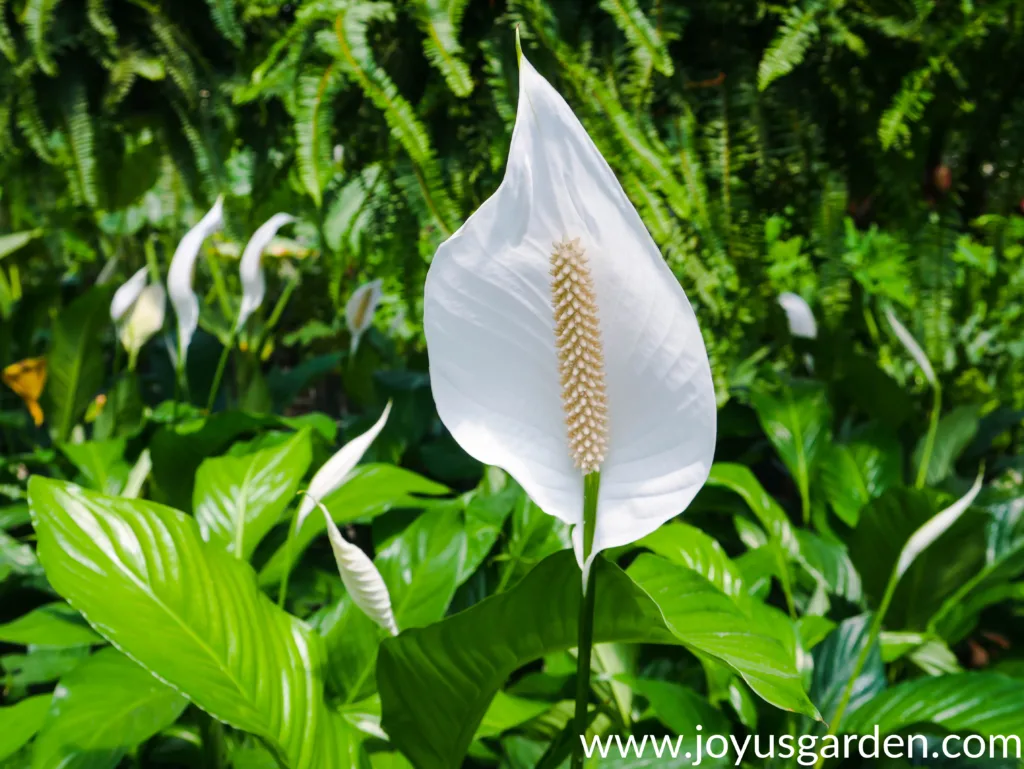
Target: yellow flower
[27, 378]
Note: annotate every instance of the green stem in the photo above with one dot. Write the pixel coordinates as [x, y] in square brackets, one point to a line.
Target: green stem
[275, 316]
[591, 487]
[873, 633]
[282, 592]
[929, 441]
[215, 747]
[220, 288]
[221, 364]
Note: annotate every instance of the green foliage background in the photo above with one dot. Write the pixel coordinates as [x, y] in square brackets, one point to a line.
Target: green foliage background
[865, 154]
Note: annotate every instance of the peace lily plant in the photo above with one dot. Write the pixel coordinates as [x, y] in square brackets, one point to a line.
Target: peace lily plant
[563, 350]
[138, 310]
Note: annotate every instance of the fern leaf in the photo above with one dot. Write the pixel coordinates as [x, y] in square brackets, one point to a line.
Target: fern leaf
[907, 107]
[31, 124]
[177, 62]
[7, 45]
[439, 20]
[38, 20]
[347, 42]
[81, 141]
[313, 120]
[99, 19]
[646, 42]
[787, 50]
[224, 18]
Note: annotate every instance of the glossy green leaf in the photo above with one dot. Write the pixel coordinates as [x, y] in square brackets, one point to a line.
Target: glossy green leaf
[40, 665]
[75, 360]
[830, 565]
[237, 500]
[101, 710]
[188, 612]
[935, 573]
[985, 703]
[56, 625]
[370, 490]
[101, 463]
[797, 420]
[20, 722]
[507, 712]
[13, 241]
[955, 432]
[690, 547]
[835, 660]
[534, 536]
[680, 708]
[852, 474]
[460, 663]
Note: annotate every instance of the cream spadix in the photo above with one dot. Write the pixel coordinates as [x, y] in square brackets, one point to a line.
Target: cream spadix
[561, 344]
[250, 269]
[182, 272]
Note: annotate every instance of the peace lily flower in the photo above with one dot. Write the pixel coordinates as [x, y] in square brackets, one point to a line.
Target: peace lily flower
[908, 341]
[361, 578]
[798, 313]
[360, 308]
[254, 284]
[182, 273]
[127, 294]
[27, 378]
[144, 320]
[562, 348]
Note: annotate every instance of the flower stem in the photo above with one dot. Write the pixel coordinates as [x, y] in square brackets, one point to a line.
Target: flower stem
[591, 486]
[221, 364]
[929, 441]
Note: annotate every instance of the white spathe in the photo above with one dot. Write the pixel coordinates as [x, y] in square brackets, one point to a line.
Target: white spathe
[250, 269]
[912, 346]
[798, 313]
[145, 319]
[336, 469]
[365, 585]
[127, 293]
[182, 272]
[490, 330]
[360, 309]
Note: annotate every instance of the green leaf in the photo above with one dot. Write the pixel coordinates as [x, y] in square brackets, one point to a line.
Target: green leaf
[40, 665]
[101, 710]
[690, 547]
[20, 722]
[507, 712]
[535, 535]
[237, 500]
[985, 703]
[852, 475]
[190, 613]
[369, 491]
[709, 622]
[680, 708]
[485, 516]
[101, 463]
[835, 660]
[75, 360]
[830, 565]
[440, 20]
[16, 240]
[931, 569]
[798, 423]
[313, 120]
[790, 44]
[223, 14]
[648, 47]
[56, 625]
[461, 662]
[955, 432]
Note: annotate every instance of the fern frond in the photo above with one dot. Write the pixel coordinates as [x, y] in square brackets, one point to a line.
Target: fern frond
[202, 157]
[439, 20]
[787, 50]
[645, 41]
[347, 42]
[30, 123]
[177, 62]
[7, 45]
[313, 120]
[224, 18]
[907, 107]
[38, 17]
[81, 141]
[99, 19]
